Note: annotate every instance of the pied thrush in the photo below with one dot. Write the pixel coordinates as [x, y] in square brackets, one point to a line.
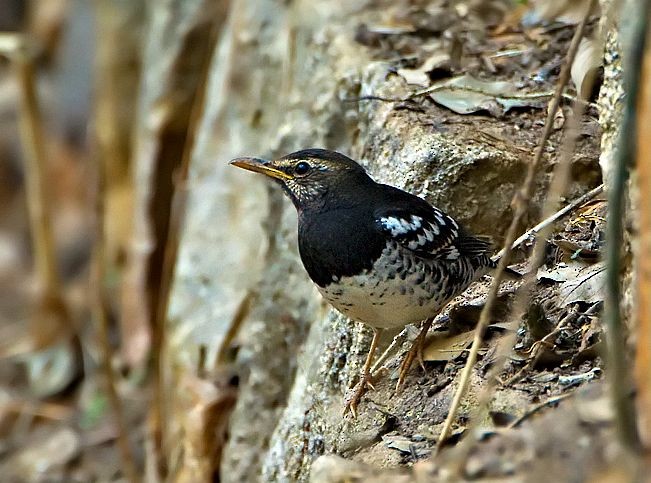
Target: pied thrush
[378, 254]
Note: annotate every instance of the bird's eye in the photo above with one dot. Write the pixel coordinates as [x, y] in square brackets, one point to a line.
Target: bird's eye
[301, 168]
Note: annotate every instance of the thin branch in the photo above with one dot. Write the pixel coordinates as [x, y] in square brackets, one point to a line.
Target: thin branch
[447, 86]
[176, 221]
[474, 90]
[618, 369]
[100, 309]
[521, 202]
[555, 217]
[538, 407]
[643, 256]
[33, 141]
[236, 322]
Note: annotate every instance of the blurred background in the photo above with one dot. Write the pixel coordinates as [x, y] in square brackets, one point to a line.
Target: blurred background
[155, 322]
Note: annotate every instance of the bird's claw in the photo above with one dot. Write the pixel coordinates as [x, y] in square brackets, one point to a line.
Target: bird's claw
[415, 352]
[354, 395]
[404, 369]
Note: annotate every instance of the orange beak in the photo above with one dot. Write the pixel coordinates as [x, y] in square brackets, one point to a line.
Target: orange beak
[260, 166]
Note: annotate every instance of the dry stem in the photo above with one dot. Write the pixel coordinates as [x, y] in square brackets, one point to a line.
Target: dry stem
[101, 311]
[555, 217]
[521, 202]
[624, 156]
[17, 49]
[177, 216]
[643, 256]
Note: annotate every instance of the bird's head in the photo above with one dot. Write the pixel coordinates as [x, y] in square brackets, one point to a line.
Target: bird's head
[311, 177]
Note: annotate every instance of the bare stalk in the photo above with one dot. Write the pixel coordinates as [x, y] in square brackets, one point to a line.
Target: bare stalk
[643, 256]
[555, 217]
[33, 141]
[617, 364]
[176, 221]
[100, 311]
[521, 203]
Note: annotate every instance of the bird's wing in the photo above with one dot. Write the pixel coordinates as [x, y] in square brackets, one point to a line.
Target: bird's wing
[429, 232]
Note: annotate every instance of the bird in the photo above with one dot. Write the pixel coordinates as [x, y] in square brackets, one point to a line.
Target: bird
[378, 254]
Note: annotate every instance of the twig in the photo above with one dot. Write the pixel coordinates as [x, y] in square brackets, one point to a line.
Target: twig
[555, 217]
[170, 250]
[537, 346]
[398, 340]
[643, 256]
[474, 90]
[623, 159]
[538, 407]
[100, 310]
[17, 50]
[562, 325]
[445, 86]
[240, 315]
[521, 201]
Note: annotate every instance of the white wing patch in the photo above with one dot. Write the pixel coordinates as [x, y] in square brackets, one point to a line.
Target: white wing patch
[422, 232]
[434, 235]
[400, 226]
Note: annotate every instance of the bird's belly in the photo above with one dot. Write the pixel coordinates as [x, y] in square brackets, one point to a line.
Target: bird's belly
[393, 294]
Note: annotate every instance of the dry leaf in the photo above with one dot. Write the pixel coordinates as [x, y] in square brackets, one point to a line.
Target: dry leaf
[445, 348]
[587, 287]
[406, 445]
[580, 282]
[420, 76]
[465, 95]
[585, 67]
[565, 11]
[561, 272]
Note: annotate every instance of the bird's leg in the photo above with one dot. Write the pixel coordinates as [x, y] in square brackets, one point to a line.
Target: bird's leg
[360, 388]
[415, 352]
[397, 341]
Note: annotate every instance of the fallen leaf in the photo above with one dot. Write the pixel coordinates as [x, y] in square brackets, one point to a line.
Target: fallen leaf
[587, 287]
[465, 95]
[561, 272]
[406, 445]
[445, 348]
[585, 67]
[420, 75]
[565, 11]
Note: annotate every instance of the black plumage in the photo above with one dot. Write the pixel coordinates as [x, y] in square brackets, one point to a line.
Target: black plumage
[378, 254]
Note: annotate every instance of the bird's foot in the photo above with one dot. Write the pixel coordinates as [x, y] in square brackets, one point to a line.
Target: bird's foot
[415, 352]
[354, 394]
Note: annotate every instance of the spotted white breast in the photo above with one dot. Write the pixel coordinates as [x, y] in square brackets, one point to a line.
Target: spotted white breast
[400, 289]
